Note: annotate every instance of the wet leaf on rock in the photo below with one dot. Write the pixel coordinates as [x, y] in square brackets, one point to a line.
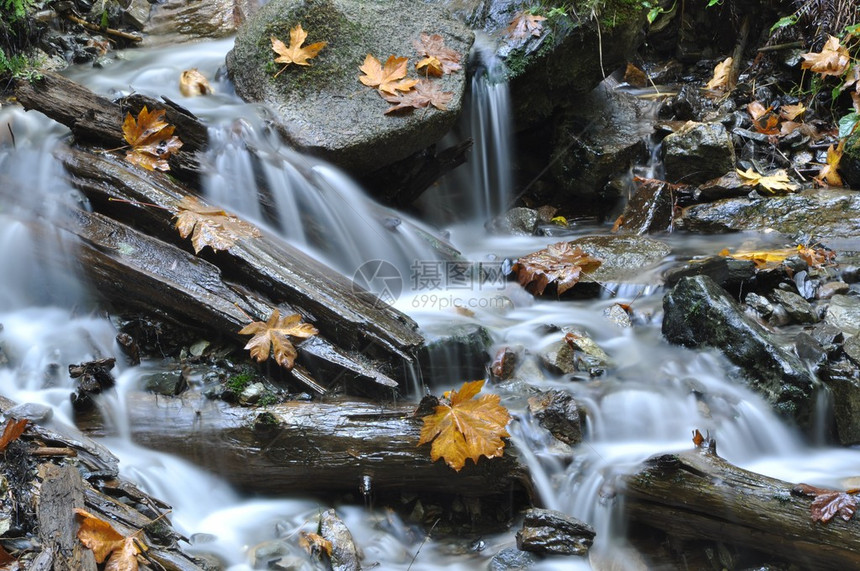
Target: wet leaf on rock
[562, 264]
[829, 174]
[438, 58]
[388, 79]
[274, 335]
[426, 93]
[151, 139]
[525, 24]
[295, 53]
[13, 429]
[314, 543]
[108, 543]
[776, 183]
[210, 225]
[466, 427]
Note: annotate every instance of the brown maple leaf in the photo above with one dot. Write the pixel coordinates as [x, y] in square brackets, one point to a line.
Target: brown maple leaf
[467, 427]
[295, 53]
[210, 225]
[829, 174]
[828, 503]
[106, 542]
[314, 543]
[151, 139]
[833, 59]
[561, 263]
[763, 119]
[274, 336]
[720, 79]
[13, 429]
[388, 79]
[426, 93]
[438, 58]
[792, 112]
[192, 83]
[525, 24]
[816, 257]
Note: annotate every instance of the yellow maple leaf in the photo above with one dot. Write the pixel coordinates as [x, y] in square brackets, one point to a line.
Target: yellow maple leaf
[829, 175]
[107, 543]
[833, 59]
[721, 75]
[467, 427]
[192, 83]
[274, 336]
[774, 183]
[295, 53]
[151, 139]
[210, 226]
[761, 258]
[388, 79]
[792, 112]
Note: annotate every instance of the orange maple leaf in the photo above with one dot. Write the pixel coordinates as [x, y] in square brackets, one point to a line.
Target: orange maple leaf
[525, 24]
[210, 226]
[388, 79]
[833, 59]
[106, 542]
[763, 119]
[467, 427]
[275, 335]
[438, 58]
[315, 543]
[829, 175]
[295, 53]
[13, 429]
[426, 93]
[561, 263]
[151, 139]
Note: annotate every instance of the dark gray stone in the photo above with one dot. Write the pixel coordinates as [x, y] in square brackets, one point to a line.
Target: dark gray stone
[558, 412]
[844, 313]
[512, 559]
[759, 304]
[843, 380]
[727, 186]
[649, 210]
[729, 273]
[169, 383]
[344, 555]
[697, 312]
[829, 289]
[852, 349]
[459, 351]
[516, 221]
[697, 152]
[322, 108]
[552, 532]
[809, 350]
[800, 310]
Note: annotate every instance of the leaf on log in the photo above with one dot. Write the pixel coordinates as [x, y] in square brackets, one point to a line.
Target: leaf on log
[438, 58]
[151, 139]
[561, 263]
[467, 427]
[274, 335]
[828, 503]
[106, 542]
[13, 429]
[210, 226]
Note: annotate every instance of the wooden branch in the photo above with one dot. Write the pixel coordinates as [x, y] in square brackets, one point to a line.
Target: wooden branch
[697, 495]
[312, 447]
[106, 31]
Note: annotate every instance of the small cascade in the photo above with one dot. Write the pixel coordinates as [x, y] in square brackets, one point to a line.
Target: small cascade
[310, 203]
[483, 187]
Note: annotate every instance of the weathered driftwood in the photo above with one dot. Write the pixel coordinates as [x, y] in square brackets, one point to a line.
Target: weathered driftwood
[134, 270]
[89, 482]
[696, 495]
[95, 119]
[312, 447]
[266, 264]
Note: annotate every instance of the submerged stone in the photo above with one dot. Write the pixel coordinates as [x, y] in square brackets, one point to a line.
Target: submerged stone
[554, 533]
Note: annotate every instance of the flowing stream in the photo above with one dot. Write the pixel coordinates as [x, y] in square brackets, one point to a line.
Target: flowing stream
[642, 406]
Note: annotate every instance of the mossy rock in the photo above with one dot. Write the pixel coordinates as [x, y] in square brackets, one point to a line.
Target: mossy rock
[323, 108]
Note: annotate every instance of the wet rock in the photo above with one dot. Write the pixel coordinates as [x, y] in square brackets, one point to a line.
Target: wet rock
[844, 313]
[459, 351]
[820, 212]
[344, 554]
[809, 350]
[697, 312]
[512, 559]
[577, 352]
[800, 310]
[136, 13]
[558, 358]
[697, 152]
[759, 304]
[168, 383]
[829, 289]
[649, 210]
[175, 21]
[34, 412]
[625, 259]
[852, 349]
[843, 380]
[516, 221]
[558, 412]
[727, 186]
[685, 106]
[828, 336]
[322, 108]
[252, 393]
[504, 363]
[551, 532]
[93, 377]
[732, 275]
[128, 346]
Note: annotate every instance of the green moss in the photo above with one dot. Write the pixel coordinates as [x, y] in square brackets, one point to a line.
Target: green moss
[238, 383]
[268, 399]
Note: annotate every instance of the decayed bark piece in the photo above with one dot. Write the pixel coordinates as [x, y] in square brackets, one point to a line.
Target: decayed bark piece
[265, 264]
[62, 491]
[312, 447]
[697, 495]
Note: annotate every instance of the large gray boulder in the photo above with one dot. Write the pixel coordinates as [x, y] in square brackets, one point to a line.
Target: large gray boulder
[698, 312]
[323, 108]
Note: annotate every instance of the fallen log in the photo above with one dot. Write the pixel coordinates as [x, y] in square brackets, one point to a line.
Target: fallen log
[697, 495]
[134, 270]
[335, 446]
[96, 119]
[266, 264]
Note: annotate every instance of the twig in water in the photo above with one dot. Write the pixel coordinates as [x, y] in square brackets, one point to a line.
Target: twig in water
[11, 134]
[426, 537]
